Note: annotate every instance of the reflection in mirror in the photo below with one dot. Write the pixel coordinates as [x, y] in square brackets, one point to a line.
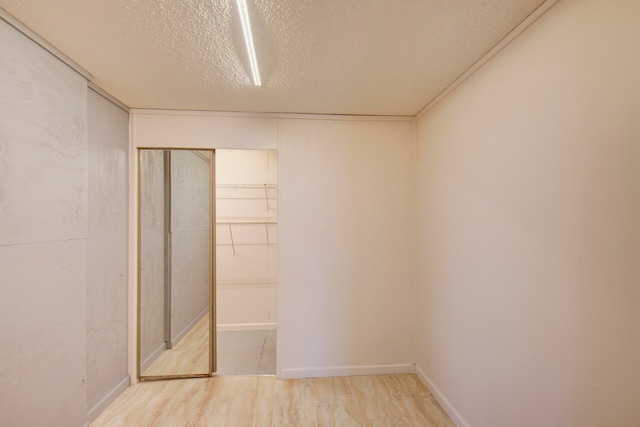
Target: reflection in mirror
[175, 263]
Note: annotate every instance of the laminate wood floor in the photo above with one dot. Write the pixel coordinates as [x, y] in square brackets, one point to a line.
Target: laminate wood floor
[243, 401]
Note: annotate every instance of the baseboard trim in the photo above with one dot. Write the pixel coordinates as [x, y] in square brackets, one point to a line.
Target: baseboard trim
[342, 371]
[233, 327]
[108, 399]
[444, 402]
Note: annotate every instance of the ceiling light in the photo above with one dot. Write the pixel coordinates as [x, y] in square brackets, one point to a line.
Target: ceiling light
[248, 38]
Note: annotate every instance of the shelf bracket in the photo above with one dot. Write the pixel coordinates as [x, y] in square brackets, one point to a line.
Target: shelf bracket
[266, 196]
[233, 245]
[266, 229]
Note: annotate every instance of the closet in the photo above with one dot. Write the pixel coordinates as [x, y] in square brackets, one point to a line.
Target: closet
[246, 260]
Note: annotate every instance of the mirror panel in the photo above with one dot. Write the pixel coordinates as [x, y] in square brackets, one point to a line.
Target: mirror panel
[175, 263]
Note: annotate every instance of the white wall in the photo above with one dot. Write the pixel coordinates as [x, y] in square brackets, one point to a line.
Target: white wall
[526, 307]
[153, 128]
[344, 220]
[247, 265]
[345, 252]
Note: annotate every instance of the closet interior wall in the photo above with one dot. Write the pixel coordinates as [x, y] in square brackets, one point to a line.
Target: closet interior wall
[247, 239]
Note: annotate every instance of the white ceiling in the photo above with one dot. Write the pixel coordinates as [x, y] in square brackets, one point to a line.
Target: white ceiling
[377, 57]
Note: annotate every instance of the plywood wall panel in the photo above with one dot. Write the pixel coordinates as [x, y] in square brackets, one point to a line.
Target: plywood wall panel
[107, 249]
[43, 168]
[42, 334]
[43, 231]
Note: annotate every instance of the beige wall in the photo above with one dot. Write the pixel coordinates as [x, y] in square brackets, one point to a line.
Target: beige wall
[526, 307]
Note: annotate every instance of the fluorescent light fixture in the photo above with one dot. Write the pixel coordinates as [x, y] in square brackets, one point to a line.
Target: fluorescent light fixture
[248, 38]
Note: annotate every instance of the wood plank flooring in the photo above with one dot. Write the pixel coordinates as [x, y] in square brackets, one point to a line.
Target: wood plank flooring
[243, 401]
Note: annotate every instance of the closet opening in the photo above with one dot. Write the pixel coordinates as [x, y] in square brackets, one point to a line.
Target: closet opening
[246, 261]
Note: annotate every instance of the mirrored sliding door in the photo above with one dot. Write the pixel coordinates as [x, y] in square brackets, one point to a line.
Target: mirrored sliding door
[176, 263]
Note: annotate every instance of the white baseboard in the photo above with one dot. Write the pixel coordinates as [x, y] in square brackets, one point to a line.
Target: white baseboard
[444, 402]
[341, 371]
[107, 399]
[232, 327]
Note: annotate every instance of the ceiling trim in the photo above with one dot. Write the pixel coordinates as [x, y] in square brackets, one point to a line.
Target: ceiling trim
[298, 116]
[6, 17]
[504, 42]
[106, 95]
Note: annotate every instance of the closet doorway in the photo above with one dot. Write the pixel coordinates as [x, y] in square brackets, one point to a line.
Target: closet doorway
[246, 261]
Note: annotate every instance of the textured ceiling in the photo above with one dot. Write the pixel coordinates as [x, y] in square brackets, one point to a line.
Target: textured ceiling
[379, 57]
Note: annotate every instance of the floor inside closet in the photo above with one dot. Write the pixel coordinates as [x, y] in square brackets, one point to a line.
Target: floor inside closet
[242, 401]
[247, 352]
